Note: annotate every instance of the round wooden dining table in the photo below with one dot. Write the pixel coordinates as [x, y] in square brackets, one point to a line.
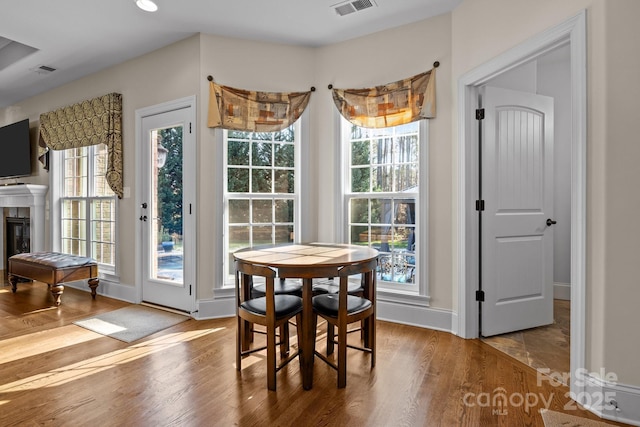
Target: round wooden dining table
[308, 261]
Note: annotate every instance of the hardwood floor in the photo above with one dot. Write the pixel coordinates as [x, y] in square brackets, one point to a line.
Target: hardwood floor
[55, 373]
[545, 347]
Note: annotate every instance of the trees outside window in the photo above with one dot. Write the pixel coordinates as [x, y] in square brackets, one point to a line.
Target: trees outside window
[170, 185]
[381, 196]
[261, 195]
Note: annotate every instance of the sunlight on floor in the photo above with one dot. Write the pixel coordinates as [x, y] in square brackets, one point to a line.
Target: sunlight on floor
[42, 342]
[104, 362]
[53, 307]
[105, 328]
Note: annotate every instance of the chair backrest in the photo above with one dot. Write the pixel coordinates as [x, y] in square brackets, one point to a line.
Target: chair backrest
[368, 280]
[254, 270]
[245, 272]
[350, 270]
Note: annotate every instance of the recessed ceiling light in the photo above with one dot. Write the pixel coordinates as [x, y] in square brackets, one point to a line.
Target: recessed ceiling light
[147, 5]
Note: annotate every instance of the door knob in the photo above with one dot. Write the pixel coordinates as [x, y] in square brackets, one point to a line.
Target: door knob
[550, 222]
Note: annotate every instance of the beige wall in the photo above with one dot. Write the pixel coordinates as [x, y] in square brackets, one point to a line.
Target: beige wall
[621, 296]
[484, 29]
[377, 59]
[160, 76]
[247, 65]
[355, 63]
[474, 33]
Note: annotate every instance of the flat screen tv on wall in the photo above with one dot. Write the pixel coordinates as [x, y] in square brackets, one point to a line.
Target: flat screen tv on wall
[15, 150]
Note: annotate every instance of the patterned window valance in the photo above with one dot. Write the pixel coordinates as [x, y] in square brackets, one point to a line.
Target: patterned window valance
[252, 111]
[393, 104]
[91, 122]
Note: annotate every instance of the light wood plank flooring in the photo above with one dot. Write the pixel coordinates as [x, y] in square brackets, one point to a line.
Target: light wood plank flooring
[55, 373]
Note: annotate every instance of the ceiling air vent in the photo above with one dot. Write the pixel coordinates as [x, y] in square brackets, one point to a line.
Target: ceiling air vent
[352, 6]
[43, 69]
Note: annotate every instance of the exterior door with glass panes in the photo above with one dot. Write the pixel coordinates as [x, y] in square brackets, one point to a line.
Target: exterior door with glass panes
[166, 212]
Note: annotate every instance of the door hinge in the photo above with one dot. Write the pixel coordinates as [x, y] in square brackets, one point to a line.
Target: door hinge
[189, 127]
[480, 296]
[480, 114]
[189, 208]
[479, 205]
[189, 290]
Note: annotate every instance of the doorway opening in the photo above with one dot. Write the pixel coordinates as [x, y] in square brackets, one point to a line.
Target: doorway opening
[545, 347]
[542, 347]
[571, 33]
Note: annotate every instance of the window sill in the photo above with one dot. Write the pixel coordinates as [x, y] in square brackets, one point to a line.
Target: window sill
[109, 276]
[403, 297]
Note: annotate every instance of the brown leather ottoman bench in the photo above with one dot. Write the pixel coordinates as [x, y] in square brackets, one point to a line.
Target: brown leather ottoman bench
[53, 268]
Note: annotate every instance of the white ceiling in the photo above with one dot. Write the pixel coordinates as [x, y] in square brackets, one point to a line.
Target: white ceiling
[80, 37]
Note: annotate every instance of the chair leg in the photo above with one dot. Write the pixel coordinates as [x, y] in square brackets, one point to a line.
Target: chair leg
[342, 355]
[239, 343]
[271, 358]
[370, 338]
[247, 334]
[299, 334]
[331, 337]
[372, 341]
[284, 339]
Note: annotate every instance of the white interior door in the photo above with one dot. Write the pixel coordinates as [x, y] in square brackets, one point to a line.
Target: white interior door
[167, 209]
[517, 189]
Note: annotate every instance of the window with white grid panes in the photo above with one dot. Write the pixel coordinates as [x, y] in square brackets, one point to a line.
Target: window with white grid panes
[381, 195]
[261, 195]
[88, 216]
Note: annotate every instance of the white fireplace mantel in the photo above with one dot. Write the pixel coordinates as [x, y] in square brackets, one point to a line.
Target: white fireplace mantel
[31, 196]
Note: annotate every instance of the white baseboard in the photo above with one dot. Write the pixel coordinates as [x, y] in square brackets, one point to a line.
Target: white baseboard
[107, 289]
[562, 291]
[414, 315]
[611, 401]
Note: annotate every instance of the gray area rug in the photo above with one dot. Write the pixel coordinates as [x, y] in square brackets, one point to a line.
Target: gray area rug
[131, 323]
[558, 419]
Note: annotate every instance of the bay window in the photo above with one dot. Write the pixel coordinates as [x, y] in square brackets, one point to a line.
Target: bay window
[261, 195]
[383, 199]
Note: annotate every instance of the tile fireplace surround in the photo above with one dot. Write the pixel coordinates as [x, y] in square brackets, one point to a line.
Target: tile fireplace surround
[30, 196]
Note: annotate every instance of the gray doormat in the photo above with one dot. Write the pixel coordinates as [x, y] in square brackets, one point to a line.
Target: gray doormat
[131, 323]
[558, 419]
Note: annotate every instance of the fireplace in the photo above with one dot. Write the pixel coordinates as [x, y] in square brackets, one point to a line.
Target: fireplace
[18, 235]
[25, 216]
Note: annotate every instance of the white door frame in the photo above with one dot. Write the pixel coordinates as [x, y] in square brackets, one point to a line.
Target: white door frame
[572, 31]
[189, 193]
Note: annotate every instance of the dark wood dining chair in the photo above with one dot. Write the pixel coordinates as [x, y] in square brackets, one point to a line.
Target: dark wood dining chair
[332, 286]
[272, 311]
[341, 309]
[280, 286]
